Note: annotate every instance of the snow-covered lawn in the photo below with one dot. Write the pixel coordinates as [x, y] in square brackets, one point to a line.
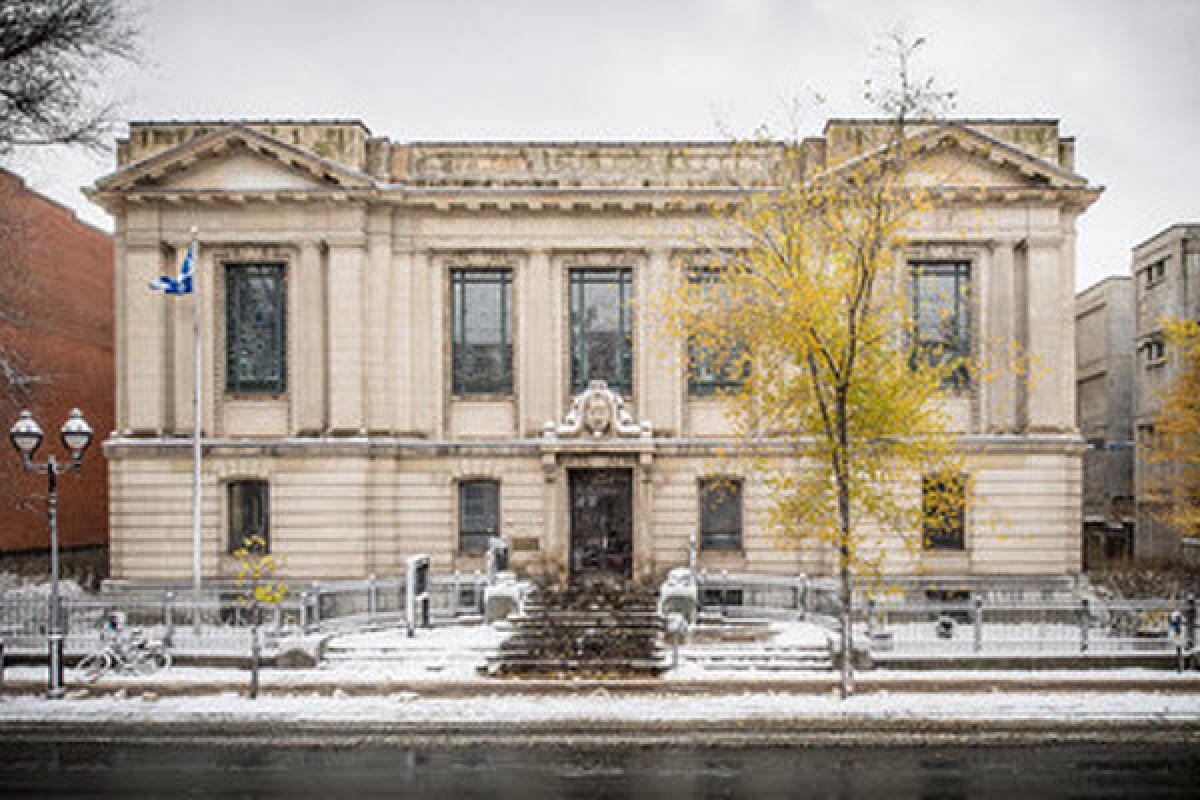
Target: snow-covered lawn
[410, 707]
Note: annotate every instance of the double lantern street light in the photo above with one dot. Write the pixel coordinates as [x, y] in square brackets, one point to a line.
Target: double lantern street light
[26, 437]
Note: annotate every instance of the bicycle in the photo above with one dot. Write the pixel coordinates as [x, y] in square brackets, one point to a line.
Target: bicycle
[131, 655]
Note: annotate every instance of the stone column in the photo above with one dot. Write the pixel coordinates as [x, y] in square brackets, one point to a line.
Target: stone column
[643, 516]
[143, 340]
[345, 293]
[310, 332]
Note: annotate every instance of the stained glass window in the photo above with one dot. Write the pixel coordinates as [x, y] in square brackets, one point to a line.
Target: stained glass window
[255, 319]
[710, 372]
[249, 513]
[720, 514]
[942, 317]
[478, 514]
[602, 328]
[482, 331]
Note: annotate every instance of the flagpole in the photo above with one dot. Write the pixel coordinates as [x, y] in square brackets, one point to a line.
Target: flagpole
[196, 561]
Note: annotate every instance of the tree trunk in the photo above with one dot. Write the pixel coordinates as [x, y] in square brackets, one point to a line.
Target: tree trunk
[842, 474]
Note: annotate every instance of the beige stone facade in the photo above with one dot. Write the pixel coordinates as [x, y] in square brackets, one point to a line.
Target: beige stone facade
[366, 446]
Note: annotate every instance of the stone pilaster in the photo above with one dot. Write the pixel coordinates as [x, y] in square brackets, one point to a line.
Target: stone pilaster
[143, 342]
[1001, 338]
[345, 293]
[377, 305]
[1050, 337]
[309, 330]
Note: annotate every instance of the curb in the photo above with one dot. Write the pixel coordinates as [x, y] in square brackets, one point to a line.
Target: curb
[386, 686]
[849, 730]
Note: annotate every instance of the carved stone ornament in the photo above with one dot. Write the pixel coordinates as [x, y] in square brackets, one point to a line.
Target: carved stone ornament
[598, 411]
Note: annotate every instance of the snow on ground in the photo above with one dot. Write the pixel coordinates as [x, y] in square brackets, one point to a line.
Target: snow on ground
[600, 705]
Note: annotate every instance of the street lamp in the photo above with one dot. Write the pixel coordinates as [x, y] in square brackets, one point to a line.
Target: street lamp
[26, 437]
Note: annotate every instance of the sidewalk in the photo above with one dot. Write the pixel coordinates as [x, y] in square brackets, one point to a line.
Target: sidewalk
[367, 680]
[604, 715]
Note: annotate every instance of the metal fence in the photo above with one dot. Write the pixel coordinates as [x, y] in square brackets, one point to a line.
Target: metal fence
[218, 623]
[749, 595]
[974, 628]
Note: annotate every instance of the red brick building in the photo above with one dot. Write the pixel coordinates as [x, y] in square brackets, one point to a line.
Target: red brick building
[56, 353]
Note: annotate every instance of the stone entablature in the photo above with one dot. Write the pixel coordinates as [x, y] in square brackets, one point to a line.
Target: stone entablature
[1034, 148]
[617, 165]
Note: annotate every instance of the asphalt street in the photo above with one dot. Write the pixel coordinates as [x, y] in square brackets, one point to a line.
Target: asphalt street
[47, 769]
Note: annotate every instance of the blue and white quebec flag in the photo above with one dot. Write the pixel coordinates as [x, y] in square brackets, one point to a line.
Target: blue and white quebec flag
[182, 283]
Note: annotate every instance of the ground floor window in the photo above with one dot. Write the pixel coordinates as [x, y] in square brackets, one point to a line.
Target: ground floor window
[478, 514]
[944, 511]
[249, 514]
[720, 514]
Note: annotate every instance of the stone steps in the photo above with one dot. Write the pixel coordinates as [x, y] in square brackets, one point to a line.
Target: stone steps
[580, 632]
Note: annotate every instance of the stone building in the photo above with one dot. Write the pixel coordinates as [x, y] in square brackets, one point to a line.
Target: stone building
[1166, 277]
[1104, 377]
[56, 330]
[411, 346]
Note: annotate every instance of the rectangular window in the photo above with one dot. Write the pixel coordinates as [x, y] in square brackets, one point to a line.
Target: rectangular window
[944, 511]
[720, 514]
[711, 373]
[481, 322]
[255, 329]
[1156, 272]
[478, 514]
[942, 318]
[1156, 352]
[249, 514]
[602, 329]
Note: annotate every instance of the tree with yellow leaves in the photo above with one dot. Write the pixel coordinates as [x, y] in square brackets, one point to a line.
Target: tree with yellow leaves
[1173, 452]
[256, 574]
[838, 403]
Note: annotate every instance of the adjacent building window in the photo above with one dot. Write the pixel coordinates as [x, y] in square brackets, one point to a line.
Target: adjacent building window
[478, 514]
[1156, 272]
[711, 373]
[720, 514]
[481, 322]
[249, 513]
[942, 317]
[255, 329]
[944, 511]
[1156, 352]
[602, 329]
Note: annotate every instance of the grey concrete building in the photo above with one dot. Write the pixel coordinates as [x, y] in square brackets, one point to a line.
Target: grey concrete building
[1166, 277]
[1104, 408]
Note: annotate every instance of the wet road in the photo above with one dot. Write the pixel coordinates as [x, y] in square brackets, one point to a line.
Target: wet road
[536, 773]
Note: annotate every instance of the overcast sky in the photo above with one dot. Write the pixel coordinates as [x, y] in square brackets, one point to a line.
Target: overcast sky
[1123, 77]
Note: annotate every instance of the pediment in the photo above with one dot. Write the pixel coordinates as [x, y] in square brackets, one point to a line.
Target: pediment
[234, 158]
[953, 155]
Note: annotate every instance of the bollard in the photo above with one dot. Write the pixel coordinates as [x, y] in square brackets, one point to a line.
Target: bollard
[371, 604]
[1085, 615]
[1189, 620]
[169, 619]
[316, 613]
[305, 600]
[978, 614]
